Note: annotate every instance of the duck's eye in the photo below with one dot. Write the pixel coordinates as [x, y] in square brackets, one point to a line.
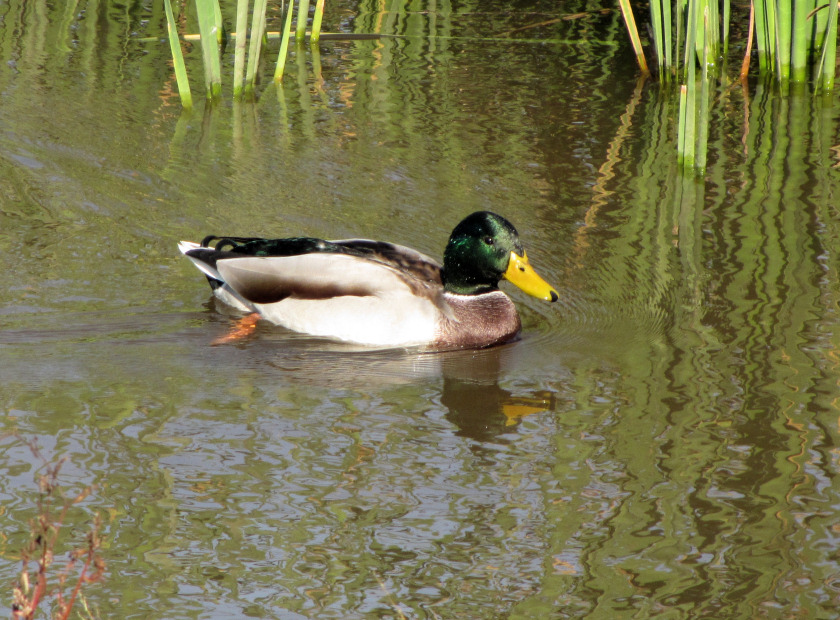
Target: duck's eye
[488, 240]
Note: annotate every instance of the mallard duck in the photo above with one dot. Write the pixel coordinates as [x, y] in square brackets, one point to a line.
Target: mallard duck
[378, 293]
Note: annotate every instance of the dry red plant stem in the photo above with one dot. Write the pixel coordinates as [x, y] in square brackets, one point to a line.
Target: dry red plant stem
[44, 533]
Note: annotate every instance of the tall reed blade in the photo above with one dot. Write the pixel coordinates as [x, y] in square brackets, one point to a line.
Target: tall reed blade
[701, 41]
[772, 16]
[765, 34]
[799, 42]
[685, 154]
[284, 43]
[210, 33]
[660, 28]
[714, 34]
[708, 48]
[218, 23]
[689, 61]
[703, 121]
[828, 56]
[630, 22]
[818, 24]
[257, 30]
[688, 92]
[177, 57]
[724, 34]
[701, 146]
[239, 49]
[317, 17]
[689, 126]
[679, 26]
[668, 43]
[302, 16]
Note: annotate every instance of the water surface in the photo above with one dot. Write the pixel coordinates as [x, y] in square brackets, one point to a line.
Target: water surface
[662, 442]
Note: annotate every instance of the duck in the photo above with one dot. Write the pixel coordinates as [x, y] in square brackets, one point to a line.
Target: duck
[378, 293]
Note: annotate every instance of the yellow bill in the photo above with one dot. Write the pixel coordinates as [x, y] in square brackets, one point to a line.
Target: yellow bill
[520, 273]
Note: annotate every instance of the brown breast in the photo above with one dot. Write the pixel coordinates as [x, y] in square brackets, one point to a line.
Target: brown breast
[482, 321]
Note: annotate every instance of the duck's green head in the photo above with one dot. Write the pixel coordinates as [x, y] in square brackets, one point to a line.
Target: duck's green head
[483, 249]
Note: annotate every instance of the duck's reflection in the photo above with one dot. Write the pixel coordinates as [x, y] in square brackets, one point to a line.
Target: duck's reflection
[476, 404]
[482, 411]
[470, 393]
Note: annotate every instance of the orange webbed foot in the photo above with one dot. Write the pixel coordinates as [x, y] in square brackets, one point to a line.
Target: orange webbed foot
[241, 329]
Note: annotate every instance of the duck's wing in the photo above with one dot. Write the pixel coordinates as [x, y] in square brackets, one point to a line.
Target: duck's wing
[399, 257]
[356, 267]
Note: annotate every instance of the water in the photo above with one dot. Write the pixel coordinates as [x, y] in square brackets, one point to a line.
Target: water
[662, 442]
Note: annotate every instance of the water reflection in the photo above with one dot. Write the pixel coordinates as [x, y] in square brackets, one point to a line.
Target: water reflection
[476, 404]
[674, 445]
[468, 381]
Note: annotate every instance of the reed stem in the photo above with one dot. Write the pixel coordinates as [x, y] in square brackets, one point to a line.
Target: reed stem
[239, 48]
[317, 17]
[177, 57]
[630, 22]
[724, 34]
[800, 43]
[709, 31]
[284, 43]
[302, 16]
[786, 35]
[257, 29]
[209, 29]
[828, 56]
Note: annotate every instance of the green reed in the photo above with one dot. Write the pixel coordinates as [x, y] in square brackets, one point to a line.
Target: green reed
[828, 57]
[630, 21]
[793, 42]
[247, 49]
[256, 34]
[660, 14]
[239, 47]
[317, 17]
[177, 57]
[284, 44]
[210, 27]
[302, 14]
[790, 37]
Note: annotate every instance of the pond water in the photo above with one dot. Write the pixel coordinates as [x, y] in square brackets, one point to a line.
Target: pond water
[663, 441]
